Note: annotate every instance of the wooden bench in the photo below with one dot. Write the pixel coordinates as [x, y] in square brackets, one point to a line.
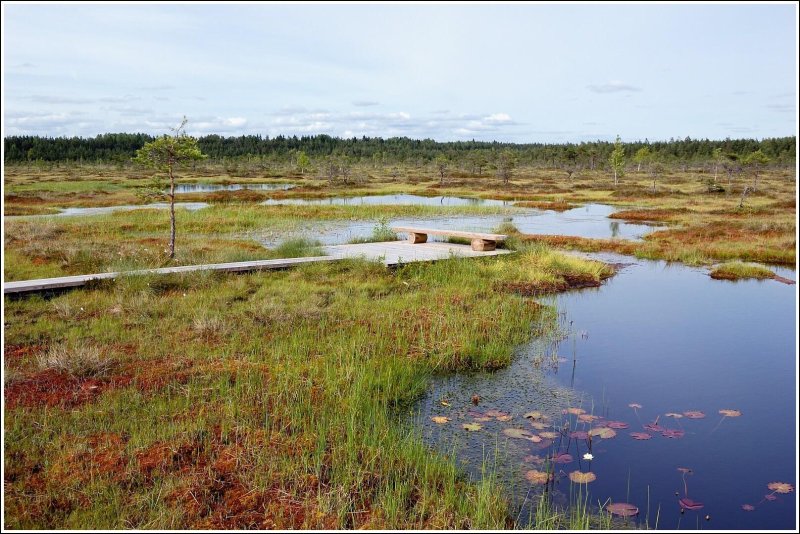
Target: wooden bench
[479, 241]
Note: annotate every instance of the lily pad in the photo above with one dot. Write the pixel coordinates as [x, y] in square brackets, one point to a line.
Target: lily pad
[690, 504]
[549, 435]
[640, 435]
[617, 425]
[748, 507]
[634, 405]
[730, 413]
[471, 427]
[602, 432]
[655, 427]
[504, 418]
[576, 411]
[538, 477]
[579, 434]
[685, 470]
[622, 509]
[440, 419]
[587, 418]
[694, 414]
[517, 433]
[533, 459]
[673, 433]
[780, 487]
[770, 497]
[579, 477]
[673, 414]
[561, 458]
[495, 413]
[538, 426]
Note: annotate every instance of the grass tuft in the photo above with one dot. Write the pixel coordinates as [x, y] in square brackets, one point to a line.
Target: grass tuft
[80, 361]
[737, 270]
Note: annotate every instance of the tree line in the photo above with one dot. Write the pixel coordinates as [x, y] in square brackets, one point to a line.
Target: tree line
[122, 147]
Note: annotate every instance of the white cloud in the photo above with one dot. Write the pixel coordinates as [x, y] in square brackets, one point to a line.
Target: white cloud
[235, 122]
[498, 118]
[614, 86]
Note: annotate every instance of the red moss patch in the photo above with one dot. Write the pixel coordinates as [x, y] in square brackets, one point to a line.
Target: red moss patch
[15, 354]
[101, 455]
[646, 215]
[151, 376]
[582, 243]
[560, 205]
[57, 388]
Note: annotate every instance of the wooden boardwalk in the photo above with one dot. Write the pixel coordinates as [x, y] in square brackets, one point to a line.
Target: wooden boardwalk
[389, 253]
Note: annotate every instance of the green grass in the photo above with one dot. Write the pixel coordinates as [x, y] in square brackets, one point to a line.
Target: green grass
[298, 248]
[282, 392]
[380, 233]
[740, 271]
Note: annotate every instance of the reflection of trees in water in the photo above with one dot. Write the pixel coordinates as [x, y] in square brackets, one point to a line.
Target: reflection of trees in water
[614, 227]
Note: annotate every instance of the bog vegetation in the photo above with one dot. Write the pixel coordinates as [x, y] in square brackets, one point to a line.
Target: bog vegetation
[278, 400]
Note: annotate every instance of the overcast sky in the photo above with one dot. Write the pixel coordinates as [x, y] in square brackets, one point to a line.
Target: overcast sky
[540, 73]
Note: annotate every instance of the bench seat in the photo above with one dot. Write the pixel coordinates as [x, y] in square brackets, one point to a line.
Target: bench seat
[480, 241]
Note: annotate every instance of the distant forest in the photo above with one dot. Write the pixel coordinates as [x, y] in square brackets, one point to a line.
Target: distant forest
[120, 148]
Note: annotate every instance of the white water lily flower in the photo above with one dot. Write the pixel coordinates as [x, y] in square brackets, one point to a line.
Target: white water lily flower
[588, 456]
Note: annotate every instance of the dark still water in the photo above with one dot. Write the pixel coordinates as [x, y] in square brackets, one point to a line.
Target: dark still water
[673, 341]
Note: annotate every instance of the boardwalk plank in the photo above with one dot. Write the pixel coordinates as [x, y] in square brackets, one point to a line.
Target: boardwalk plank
[390, 253]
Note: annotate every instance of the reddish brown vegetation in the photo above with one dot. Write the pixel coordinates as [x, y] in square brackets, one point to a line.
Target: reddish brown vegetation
[155, 375]
[582, 243]
[56, 388]
[646, 214]
[555, 205]
[16, 355]
[213, 494]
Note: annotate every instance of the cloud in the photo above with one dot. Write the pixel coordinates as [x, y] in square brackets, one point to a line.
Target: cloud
[22, 66]
[205, 125]
[47, 123]
[498, 118]
[614, 86]
[781, 108]
[53, 99]
[485, 125]
[130, 110]
[156, 87]
[365, 103]
[235, 121]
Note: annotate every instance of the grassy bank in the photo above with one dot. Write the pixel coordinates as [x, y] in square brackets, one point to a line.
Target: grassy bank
[258, 400]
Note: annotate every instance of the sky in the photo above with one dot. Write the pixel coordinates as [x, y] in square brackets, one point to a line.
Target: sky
[520, 73]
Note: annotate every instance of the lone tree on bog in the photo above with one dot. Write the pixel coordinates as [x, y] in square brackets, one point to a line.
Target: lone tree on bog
[167, 154]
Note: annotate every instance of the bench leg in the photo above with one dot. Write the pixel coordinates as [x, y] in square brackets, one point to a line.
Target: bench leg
[483, 245]
[417, 238]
